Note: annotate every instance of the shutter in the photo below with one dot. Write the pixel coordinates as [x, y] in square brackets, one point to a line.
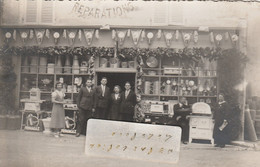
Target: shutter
[160, 13]
[176, 14]
[11, 12]
[31, 11]
[47, 12]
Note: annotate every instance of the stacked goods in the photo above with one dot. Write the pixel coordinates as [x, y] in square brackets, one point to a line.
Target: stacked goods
[33, 65]
[43, 64]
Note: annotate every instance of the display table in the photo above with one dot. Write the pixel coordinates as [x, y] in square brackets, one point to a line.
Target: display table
[31, 108]
[70, 119]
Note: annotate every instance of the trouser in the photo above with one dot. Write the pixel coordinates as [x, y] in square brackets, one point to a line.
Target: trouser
[100, 113]
[83, 117]
[126, 117]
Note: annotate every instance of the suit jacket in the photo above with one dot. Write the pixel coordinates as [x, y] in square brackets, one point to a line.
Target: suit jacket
[85, 99]
[102, 101]
[178, 107]
[115, 103]
[128, 104]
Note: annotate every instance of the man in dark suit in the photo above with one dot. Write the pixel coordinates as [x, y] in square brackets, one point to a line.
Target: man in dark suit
[128, 103]
[102, 98]
[85, 102]
[180, 112]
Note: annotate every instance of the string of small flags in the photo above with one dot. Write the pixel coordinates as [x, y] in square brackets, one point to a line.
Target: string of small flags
[118, 35]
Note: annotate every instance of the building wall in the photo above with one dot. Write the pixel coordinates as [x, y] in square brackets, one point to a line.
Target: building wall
[216, 15]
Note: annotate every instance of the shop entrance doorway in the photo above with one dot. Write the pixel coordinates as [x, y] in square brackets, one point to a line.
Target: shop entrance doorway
[117, 79]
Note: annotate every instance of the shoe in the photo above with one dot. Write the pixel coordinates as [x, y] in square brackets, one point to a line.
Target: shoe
[217, 145]
[222, 145]
[56, 135]
[184, 142]
[77, 134]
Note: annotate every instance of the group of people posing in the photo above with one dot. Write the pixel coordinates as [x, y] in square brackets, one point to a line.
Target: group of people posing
[98, 102]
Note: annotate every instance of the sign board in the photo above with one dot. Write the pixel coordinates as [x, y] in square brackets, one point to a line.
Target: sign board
[146, 142]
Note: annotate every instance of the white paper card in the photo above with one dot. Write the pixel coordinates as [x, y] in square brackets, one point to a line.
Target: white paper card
[146, 142]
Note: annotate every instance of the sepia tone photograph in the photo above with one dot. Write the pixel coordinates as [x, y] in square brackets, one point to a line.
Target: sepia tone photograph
[129, 83]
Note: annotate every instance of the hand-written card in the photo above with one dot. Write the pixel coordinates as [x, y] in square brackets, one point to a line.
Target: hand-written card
[133, 140]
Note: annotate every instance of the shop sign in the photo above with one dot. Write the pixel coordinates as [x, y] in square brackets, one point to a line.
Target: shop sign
[146, 142]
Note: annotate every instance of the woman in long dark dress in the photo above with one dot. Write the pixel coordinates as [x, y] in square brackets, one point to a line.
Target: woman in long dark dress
[115, 103]
[58, 113]
[222, 117]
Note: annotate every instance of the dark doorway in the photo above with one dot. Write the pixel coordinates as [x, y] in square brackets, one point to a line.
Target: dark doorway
[117, 79]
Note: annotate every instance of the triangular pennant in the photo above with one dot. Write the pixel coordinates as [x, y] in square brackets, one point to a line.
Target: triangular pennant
[72, 33]
[150, 37]
[39, 33]
[186, 37]
[168, 35]
[136, 35]
[56, 36]
[121, 36]
[24, 33]
[88, 33]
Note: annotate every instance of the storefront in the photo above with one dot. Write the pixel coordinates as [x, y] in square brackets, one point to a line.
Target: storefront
[159, 47]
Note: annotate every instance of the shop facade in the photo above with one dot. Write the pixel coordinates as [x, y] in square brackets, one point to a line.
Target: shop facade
[156, 46]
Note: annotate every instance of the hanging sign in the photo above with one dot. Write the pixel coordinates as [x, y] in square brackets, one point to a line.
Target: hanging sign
[24, 34]
[39, 33]
[168, 37]
[56, 36]
[121, 36]
[88, 33]
[136, 35]
[150, 36]
[72, 33]
[186, 38]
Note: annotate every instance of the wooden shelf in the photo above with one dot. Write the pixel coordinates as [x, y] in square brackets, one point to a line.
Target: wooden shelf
[117, 70]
